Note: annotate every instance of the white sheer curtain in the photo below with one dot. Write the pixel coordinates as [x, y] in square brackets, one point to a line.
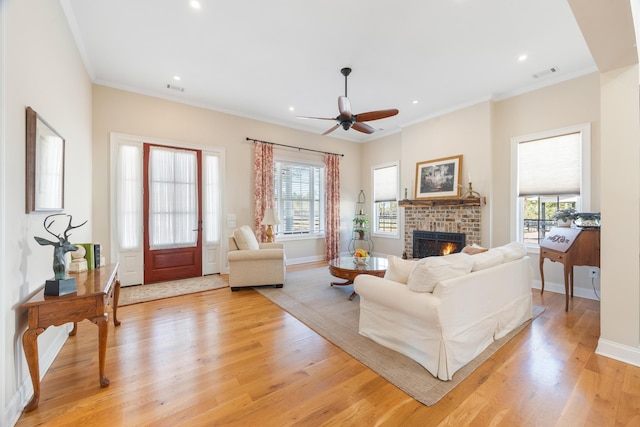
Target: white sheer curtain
[173, 198]
[211, 196]
[129, 197]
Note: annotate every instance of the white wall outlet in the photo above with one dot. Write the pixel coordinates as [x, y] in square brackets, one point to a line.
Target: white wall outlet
[594, 272]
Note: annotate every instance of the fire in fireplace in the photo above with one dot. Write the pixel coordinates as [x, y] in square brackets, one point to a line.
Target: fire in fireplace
[435, 243]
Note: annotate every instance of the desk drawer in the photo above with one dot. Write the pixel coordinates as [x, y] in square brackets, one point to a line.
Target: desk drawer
[553, 255]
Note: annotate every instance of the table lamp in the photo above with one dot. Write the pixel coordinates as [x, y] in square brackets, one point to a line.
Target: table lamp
[269, 219]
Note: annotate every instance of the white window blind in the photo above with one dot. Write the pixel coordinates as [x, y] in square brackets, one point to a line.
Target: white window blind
[173, 198]
[550, 166]
[385, 184]
[129, 197]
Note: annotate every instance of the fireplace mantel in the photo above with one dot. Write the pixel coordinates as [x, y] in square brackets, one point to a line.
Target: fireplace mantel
[471, 201]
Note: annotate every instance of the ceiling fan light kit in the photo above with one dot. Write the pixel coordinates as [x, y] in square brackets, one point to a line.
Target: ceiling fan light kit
[347, 119]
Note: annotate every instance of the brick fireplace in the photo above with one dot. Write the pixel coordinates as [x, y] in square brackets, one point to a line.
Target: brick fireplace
[442, 215]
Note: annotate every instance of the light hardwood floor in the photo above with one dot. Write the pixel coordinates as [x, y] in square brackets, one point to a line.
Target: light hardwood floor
[219, 358]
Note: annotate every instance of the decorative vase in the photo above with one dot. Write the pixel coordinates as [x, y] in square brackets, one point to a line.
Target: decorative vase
[362, 260]
[564, 223]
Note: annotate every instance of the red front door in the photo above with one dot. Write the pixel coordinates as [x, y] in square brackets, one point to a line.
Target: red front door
[172, 213]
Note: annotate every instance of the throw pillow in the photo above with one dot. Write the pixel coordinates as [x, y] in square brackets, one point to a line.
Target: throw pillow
[488, 259]
[398, 269]
[245, 239]
[432, 270]
[512, 251]
[473, 249]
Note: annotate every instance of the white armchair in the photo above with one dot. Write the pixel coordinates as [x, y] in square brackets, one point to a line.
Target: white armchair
[252, 263]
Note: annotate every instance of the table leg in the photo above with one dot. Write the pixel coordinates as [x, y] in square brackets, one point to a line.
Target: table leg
[116, 299]
[541, 274]
[30, 346]
[566, 287]
[103, 331]
[348, 282]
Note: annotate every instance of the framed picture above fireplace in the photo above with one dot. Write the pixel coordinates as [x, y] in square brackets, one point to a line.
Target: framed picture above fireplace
[438, 178]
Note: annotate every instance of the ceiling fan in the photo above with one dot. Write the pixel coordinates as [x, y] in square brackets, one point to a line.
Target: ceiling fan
[347, 119]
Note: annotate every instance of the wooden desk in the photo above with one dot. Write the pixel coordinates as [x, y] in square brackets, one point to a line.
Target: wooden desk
[571, 247]
[95, 288]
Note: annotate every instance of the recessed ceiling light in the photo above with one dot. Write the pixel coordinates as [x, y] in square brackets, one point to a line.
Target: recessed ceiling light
[291, 109]
[522, 58]
[415, 101]
[177, 78]
[195, 4]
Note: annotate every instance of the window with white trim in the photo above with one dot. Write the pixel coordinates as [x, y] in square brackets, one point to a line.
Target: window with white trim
[299, 198]
[552, 173]
[385, 199]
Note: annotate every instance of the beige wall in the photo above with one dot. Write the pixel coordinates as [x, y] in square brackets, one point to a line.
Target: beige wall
[43, 70]
[133, 114]
[620, 154]
[565, 104]
[467, 132]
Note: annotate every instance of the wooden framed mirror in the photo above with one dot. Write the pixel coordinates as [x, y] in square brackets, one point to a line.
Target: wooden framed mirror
[45, 166]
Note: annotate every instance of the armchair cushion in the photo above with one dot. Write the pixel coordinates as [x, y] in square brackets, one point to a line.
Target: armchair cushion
[245, 239]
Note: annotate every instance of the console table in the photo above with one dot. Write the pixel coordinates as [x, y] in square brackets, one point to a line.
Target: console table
[95, 289]
[571, 247]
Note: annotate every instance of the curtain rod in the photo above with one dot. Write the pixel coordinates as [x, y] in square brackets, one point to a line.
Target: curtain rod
[297, 148]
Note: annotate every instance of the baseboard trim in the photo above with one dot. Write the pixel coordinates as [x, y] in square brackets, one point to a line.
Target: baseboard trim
[558, 288]
[304, 260]
[621, 352]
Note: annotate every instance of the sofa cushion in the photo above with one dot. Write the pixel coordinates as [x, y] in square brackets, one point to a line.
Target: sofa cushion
[473, 249]
[429, 271]
[484, 260]
[398, 269]
[512, 251]
[245, 239]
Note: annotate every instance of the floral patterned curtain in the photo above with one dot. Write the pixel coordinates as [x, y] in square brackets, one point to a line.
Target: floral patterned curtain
[332, 206]
[263, 185]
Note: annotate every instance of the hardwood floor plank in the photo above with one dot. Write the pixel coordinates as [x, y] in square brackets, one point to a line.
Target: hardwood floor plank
[234, 358]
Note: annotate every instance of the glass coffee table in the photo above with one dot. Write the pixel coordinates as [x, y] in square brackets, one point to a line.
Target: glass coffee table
[345, 268]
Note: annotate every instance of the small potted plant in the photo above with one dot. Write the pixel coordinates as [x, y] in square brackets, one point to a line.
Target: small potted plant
[565, 217]
[360, 223]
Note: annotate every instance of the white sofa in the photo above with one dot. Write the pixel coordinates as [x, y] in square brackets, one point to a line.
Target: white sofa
[445, 316]
[254, 264]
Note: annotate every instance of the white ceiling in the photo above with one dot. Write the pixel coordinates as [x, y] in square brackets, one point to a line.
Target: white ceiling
[258, 58]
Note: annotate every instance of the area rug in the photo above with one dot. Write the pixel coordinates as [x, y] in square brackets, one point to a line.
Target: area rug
[327, 310]
[143, 293]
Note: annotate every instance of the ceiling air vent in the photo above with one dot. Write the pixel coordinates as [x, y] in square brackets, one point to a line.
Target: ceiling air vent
[545, 73]
[176, 88]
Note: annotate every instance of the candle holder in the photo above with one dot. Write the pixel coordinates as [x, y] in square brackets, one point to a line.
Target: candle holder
[469, 193]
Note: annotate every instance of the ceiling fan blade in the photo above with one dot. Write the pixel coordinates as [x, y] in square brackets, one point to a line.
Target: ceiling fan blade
[332, 129]
[315, 118]
[344, 106]
[375, 115]
[362, 127]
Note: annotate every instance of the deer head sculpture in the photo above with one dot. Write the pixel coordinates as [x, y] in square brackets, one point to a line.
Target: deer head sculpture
[61, 246]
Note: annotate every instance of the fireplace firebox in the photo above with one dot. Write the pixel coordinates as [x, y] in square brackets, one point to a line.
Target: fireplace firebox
[434, 243]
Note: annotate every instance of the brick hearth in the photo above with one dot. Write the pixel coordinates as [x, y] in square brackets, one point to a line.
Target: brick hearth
[452, 217]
